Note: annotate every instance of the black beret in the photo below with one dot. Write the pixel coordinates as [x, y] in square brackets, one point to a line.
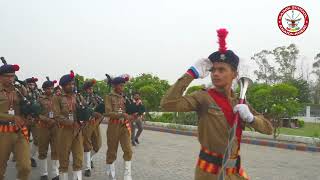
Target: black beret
[8, 68]
[48, 83]
[118, 80]
[66, 79]
[31, 80]
[228, 57]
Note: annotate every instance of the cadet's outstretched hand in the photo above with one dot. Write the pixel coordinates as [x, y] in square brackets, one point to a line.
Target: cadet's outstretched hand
[201, 68]
[244, 112]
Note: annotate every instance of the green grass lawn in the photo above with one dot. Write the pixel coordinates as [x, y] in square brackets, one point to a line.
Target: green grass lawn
[309, 130]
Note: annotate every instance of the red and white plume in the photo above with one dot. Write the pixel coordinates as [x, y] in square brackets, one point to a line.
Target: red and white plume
[222, 34]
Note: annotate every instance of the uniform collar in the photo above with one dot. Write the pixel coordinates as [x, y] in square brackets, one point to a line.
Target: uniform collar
[3, 88]
[63, 93]
[116, 94]
[222, 92]
[47, 97]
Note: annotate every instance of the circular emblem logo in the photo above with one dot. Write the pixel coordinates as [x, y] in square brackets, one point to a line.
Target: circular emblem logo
[293, 20]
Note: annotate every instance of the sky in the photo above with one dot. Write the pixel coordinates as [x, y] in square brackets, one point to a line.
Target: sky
[162, 37]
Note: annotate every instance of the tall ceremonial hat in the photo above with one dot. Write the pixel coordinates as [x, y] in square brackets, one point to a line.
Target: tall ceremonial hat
[48, 83]
[8, 69]
[122, 79]
[223, 54]
[88, 84]
[31, 80]
[67, 78]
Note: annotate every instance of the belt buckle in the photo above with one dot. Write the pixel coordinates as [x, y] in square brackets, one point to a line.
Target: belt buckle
[11, 123]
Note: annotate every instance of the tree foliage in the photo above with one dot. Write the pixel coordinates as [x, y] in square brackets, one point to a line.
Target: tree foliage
[275, 101]
[151, 88]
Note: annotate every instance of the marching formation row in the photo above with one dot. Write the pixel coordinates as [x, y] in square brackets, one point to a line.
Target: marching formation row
[67, 120]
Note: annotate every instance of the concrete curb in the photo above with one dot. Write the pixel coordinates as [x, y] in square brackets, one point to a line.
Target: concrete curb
[246, 140]
[250, 134]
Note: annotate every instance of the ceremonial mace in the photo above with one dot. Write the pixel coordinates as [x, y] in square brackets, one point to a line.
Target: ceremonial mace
[244, 83]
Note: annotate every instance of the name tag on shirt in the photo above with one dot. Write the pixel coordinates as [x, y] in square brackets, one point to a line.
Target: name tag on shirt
[70, 117]
[51, 115]
[11, 112]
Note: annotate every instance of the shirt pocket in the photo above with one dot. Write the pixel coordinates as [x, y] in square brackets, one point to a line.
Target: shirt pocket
[215, 111]
[4, 104]
[117, 104]
[45, 104]
[217, 115]
[64, 105]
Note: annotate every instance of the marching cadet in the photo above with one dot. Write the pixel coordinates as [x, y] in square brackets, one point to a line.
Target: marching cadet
[119, 129]
[70, 136]
[13, 131]
[216, 109]
[21, 86]
[33, 95]
[48, 130]
[91, 132]
[140, 110]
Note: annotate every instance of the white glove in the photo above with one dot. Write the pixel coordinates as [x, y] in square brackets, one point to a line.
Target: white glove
[244, 112]
[201, 68]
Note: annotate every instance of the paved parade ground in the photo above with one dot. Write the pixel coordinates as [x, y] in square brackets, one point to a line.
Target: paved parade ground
[164, 156]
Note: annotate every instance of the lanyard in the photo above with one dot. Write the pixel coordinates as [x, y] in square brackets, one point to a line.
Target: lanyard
[50, 104]
[71, 103]
[10, 96]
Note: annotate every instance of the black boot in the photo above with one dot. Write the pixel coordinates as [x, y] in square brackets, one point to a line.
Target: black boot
[45, 177]
[92, 165]
[137, 141]
[55, 178]
[87, 173]
[33, 162]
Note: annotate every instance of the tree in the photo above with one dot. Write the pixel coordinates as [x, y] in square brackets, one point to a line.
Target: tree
[303, 89]
[275, 102]
[286, 58]
[151, 88]
[284, 67]
[259, 97]
[265, 73]
[316, 72]
[102, 88]
[79, 81]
